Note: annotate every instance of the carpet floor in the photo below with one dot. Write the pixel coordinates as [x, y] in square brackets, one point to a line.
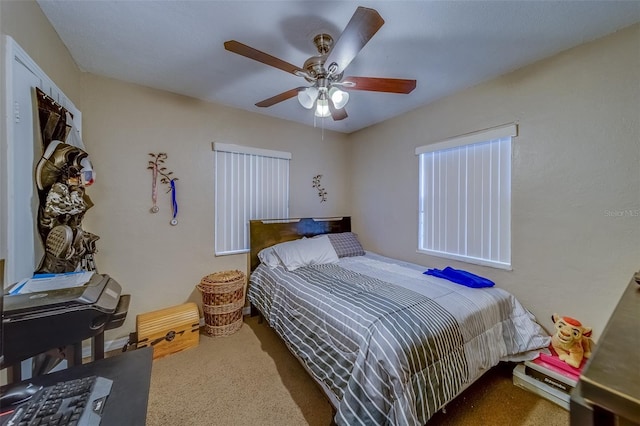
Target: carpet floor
[251, 378]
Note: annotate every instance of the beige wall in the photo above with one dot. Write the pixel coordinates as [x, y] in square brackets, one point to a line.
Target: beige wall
[157, 263]
[3, 156]
[576, 158]
[24, 21]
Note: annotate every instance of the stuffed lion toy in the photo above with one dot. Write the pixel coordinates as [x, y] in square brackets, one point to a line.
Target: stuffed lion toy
[571, 340]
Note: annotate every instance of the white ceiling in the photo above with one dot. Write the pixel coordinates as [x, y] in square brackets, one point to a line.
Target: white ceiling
[445, 45]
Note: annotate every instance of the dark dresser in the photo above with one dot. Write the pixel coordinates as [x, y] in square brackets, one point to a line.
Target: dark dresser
[608, 392]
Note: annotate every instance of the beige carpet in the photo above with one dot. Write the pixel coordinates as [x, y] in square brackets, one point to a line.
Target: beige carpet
[250, 378]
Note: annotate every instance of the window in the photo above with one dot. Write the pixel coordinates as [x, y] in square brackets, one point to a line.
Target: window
[465, 198]
[251, 183]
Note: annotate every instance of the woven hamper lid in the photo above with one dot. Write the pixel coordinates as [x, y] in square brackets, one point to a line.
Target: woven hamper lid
[223, 277]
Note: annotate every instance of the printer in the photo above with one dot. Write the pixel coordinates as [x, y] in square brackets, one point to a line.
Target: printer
[34, 323]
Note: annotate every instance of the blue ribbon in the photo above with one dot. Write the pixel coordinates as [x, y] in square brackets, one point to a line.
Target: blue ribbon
[174, 203]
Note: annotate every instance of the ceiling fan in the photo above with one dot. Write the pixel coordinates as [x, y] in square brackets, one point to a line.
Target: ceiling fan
[328, 91]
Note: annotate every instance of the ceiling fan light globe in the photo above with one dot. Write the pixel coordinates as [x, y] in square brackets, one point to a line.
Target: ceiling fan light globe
[322, 108]
[307, 97]
[339, 97]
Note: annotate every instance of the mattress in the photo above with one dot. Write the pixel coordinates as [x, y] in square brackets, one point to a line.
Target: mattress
[388, 344]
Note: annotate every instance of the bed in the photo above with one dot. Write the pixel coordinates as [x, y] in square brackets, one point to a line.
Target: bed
[386, 343]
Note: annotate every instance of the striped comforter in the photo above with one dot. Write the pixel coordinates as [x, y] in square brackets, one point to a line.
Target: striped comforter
[388, 344]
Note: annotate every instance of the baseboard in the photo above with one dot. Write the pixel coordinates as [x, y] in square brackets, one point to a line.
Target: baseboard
[112, 345]
[118, 344]
[109, 345]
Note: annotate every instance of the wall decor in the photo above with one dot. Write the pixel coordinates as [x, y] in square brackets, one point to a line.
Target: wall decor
[156, 165]
[322, 193]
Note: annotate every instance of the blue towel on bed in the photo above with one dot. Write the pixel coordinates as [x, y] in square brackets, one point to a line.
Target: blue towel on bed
[460, 277]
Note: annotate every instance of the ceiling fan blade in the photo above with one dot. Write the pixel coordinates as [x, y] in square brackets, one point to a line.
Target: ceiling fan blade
[337, 114]
[255, 54]
[374, 84]
[279, 98]
[363, 25]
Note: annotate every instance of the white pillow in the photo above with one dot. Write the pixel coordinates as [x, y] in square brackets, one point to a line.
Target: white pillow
[269, 257]
[305, 252]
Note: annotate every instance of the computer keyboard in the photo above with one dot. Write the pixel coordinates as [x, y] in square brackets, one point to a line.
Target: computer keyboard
[76, 402]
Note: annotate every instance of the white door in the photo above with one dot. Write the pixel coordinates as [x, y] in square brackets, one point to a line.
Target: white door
[24, 248]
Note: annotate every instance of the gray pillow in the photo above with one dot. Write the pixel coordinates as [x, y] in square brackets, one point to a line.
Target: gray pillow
[346, 244]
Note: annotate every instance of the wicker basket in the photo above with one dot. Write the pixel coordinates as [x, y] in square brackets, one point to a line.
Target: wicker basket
[222, 302]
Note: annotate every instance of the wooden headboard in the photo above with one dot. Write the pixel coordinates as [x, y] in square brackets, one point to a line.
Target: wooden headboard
[265, 233]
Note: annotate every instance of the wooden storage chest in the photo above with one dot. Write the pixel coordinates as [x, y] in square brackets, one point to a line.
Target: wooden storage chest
[169, 330]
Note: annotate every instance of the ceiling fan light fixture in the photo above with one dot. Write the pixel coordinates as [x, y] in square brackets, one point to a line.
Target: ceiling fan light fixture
[322, 108]
[339, 97]
[324, 72]
[307, 97]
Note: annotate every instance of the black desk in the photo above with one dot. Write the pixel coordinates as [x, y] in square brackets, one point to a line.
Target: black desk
[131, 375]
[609, 389]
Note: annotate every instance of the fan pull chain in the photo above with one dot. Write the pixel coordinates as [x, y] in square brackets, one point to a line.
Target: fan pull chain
[321, 125]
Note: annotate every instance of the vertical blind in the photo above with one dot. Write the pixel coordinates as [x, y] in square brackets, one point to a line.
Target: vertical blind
[250, 184]
[465, 198]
